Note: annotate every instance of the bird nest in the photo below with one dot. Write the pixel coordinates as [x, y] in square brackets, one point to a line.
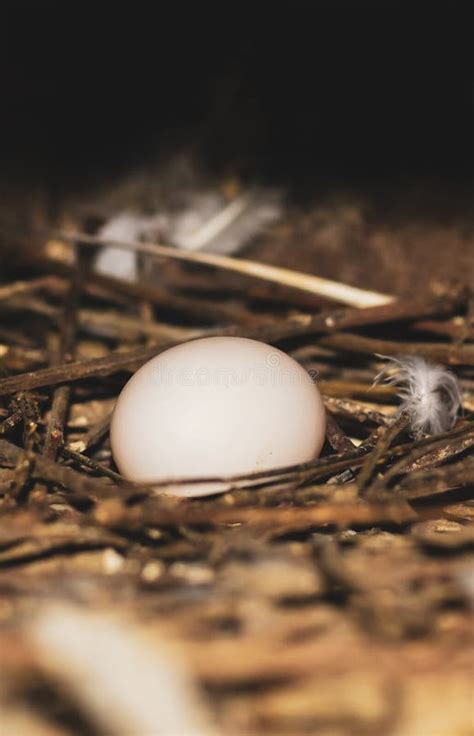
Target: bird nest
[331, 598]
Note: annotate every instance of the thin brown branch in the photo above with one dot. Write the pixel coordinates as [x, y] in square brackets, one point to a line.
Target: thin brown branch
[338, 439]
[67, 336]
[341, 443]
[355, 410]
[421, 458]
[96, 433]
[48, 470]
[345, 389]
[434, 481]
[11, 422]
[451, 354]
[17, 288]
[262, 518]
[380, 449]
[88, 462]
[456, 328]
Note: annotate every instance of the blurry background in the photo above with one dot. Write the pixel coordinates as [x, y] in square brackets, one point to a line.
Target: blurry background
[362, 107]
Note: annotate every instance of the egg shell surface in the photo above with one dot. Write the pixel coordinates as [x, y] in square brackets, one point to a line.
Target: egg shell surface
[216, 407]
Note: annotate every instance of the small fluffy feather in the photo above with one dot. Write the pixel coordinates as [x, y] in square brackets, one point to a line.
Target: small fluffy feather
[430, 393]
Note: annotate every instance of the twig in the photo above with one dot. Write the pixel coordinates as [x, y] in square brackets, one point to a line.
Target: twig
[68, 327]
[105, 323]
[295, 279]
[456, 329]
[341, 389]
[18, 358]
[88, 462]
[338, 439]
[114, 324]
[421, 458]
[96, 433]
[452, 354]
[341, 443]
[355, 410]
[11, 422]
[28, 405]
[68, 372]
[261, 518]
[434, 481]
[76, 483]
[23, 287]
[384, 442]
[23, 408]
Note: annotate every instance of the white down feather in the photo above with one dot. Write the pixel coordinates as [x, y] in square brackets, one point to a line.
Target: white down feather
[430, 393]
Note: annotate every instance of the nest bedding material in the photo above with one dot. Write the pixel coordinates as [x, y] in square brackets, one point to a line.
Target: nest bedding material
[330, 598]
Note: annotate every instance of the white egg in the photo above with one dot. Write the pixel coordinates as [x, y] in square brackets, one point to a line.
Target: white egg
[216, 407]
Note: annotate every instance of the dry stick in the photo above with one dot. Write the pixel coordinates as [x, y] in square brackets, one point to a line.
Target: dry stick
[32, 304]
[338, 439]
[12, 357]
[201, 310]
[355, 410]
[323, 322]
[456, 331]
[344, 389]
[78, 370]
[106, 323]
[384, 442]
[452, 354]
[295, 279]
[53, 472]
[436, 480]
[439, 456]
[22, 410]
[11, 422]
[88, 462]
[262, 518]
[28, 405]
[113, 325]
[341, 443]
[145, 306]
[24, 287]
[68, 328]
[439, 451]
[96, 433]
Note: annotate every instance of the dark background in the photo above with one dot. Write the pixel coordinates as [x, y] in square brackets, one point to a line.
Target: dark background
[300, 92]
